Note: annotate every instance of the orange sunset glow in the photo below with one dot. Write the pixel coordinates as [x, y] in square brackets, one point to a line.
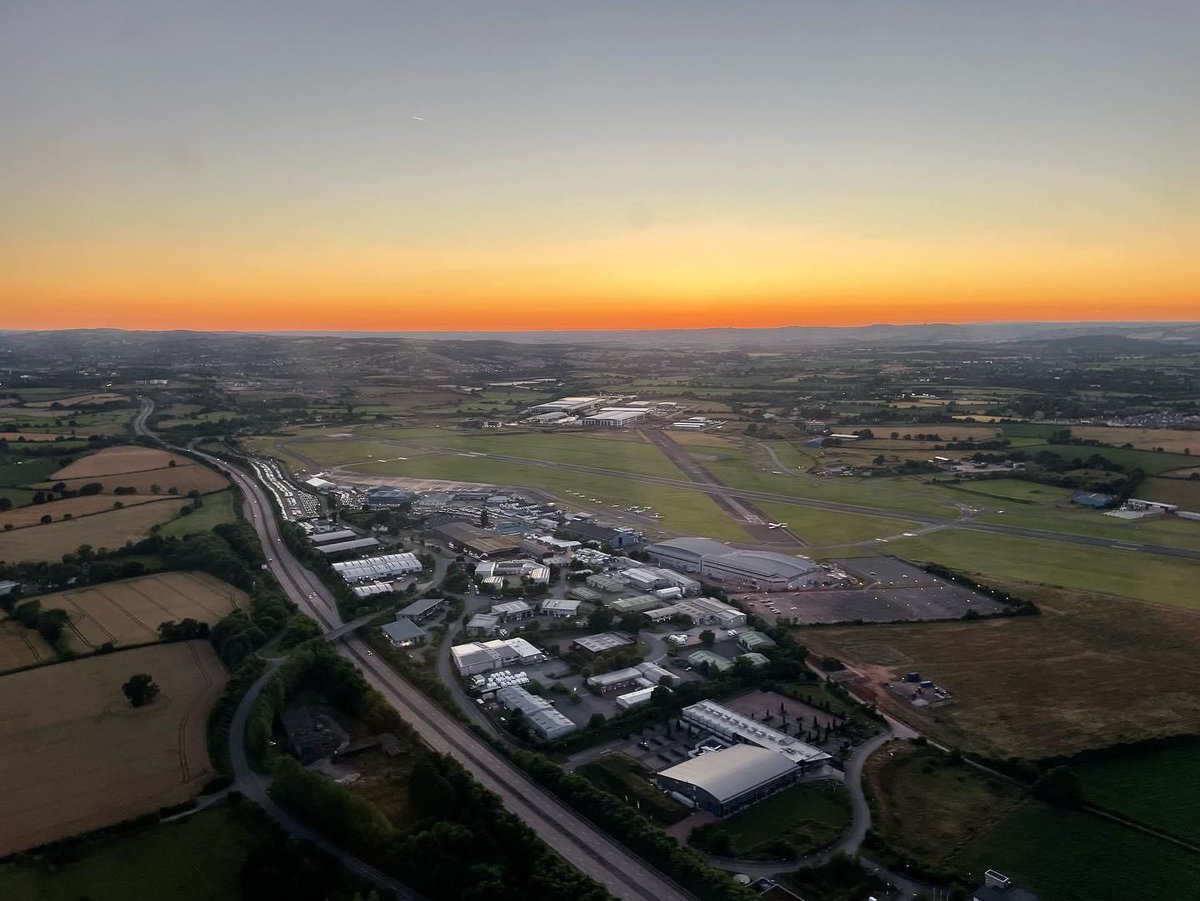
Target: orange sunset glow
[595, 169]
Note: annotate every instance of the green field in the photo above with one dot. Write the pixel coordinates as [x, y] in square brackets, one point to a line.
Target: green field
[1148, 461]
[19, 474]
[1077, 520]
[1015, 490]
[928, 807]
[1153, 786]
[683, 510]
[826, 528]
[198, 858]
[1143, 577]
[626, 778]
[1069, 856]
[798, 820]
[217, 509]
[1184, 492]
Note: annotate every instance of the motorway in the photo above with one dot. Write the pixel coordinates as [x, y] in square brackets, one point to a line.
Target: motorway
[726, 491]
[579, 842]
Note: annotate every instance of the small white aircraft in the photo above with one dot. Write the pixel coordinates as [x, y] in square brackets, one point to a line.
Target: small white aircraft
[777, 525]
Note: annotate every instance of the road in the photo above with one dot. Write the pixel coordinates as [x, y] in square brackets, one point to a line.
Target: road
[587, 848]
[254, 786]
[960, 522]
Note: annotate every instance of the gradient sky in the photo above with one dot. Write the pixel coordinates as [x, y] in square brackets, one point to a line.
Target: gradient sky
[585, 164]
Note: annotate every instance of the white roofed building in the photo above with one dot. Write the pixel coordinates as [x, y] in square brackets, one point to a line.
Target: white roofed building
[729, 779]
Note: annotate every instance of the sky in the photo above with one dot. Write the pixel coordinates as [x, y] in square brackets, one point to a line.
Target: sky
[574, 164]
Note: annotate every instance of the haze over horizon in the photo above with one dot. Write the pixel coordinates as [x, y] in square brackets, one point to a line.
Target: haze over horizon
[537, 165]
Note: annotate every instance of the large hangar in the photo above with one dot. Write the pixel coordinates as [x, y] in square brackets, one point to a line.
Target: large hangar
[760, 570]
[726, 780]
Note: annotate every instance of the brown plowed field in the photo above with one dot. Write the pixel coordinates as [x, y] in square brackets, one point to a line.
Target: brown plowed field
[21, 647]
[103, 530]
[140, 468]
[77, 757]
[130, 611]
[76, 506]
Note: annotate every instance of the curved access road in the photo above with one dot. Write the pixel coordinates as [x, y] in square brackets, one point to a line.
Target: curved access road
[583, 845]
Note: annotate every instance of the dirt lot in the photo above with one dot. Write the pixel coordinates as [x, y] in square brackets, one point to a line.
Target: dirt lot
[1091, 671]
[78, 757]
[118, 460]
[898, 592]
[108, 530]
[75, 506]
[20, 647]
[130, 611]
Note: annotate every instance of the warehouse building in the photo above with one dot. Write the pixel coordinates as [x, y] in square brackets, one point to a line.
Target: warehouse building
[511, 611]
[605, 536]
[583, 593]
[655, 674]
[617, 680]
[593, 645]
[568, 405]
[344, 547]
[332, 535]
[539, 713]
[636, 604]
[404, 633]
[381, 567]
[756, 570]
[476, 541]
[735, 727]
[482, 625]
[419, 611]
[701, 657]
[636, 698]
[387, 497]
[702, 612]
[316, 483]
[615, 417]
[371, 588]
[559, 608]
[753, 641]
[729, 779]
[484, 656]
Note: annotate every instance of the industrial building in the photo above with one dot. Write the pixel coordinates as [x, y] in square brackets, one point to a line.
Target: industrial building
[728, 779]
[419, 611]
[605, 536]
[651, 578]
[636, 698]
[702, 612]
[753, 641]
[342, 547]
[387, 497]
[592, 645]
[583, 593]
[404, 633]
[524, 569]
[702, 657]
[482, 624]
[616, 680]
[735, 727]
[332, 535]
[558, 608]
[381, 567]
[316, 483]
[510, 611]
[657, 675]
[371, 588]
[637, 604]
[606, 582]
[568, 405]
[757, 570]
[615, 417]
[476, 541]
[483, 656]
[539, 713]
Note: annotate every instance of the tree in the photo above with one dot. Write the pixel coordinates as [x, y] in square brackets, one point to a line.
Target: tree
[484, 522]
[141, 689]
[1059, 786]
[600, 619]
[597, 720]
[708, 637]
